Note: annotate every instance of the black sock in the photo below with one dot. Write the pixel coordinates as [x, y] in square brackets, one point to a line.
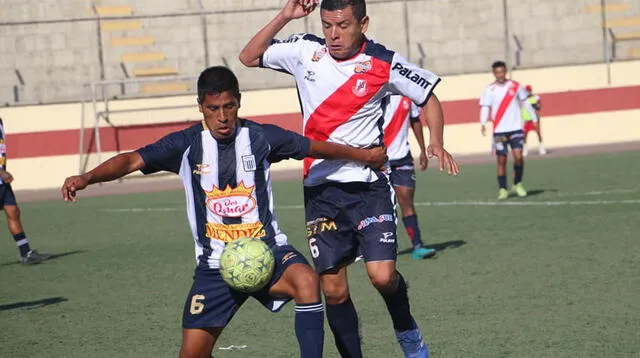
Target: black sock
[413, 230]
[502, 181]
[343, 320]
[309, 324]
[398, 306]
[23, 244]
[518, 171]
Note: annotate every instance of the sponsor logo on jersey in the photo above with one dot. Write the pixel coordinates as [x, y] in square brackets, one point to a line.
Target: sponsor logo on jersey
[310, 76]
[362, 67]
[202, 169]
[410, 75]
[231, 232]
[318, 54]
[374, 220]
[231, 202]
[360, 88]
[320, 225]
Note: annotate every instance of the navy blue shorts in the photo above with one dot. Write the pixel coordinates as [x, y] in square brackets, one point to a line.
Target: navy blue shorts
[348, 220]
[6, 195]
[212, 303]
[403, 172]
[513, 139]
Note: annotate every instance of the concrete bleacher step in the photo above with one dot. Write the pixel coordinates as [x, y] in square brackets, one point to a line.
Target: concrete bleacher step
[154, 72]
[634, 52]
[133, 41]
[157, 88]
[618, 7]
[106, 11]
[120, 25]
[623, 22]
[143, 57]
[628, 36]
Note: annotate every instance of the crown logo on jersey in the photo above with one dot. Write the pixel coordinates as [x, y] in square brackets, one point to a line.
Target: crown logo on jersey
[362, 67]
[318, 54]
[240, 190]
[231, 202]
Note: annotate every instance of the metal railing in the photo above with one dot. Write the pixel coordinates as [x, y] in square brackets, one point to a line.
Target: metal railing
[417, 42]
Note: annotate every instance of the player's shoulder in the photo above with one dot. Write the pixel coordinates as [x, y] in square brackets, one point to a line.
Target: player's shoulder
[301, 37]
[378, 51]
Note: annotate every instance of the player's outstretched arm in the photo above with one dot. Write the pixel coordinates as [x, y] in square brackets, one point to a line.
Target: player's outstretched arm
[416, 127]
[435, 121]
[255, 48]
[375, 157]
[114, 168]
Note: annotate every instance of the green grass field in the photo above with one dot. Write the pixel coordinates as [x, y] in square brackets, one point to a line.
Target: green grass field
[553, 275]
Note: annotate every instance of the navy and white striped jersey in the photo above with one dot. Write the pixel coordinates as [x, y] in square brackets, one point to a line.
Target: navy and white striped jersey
[227, 183]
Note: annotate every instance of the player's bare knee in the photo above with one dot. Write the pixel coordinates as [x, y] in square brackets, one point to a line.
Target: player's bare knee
[335, 293]
[306, 287]
[383, 281]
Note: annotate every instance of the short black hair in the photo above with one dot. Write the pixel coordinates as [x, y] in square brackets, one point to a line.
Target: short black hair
[359, 7]
[217, 79]
[498, 64]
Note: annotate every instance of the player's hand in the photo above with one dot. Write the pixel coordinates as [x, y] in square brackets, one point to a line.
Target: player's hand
[444, 158]
[6, 177]
[483, 130]
[295, 9]
[73, 184]
[376, 157]
[424, 162]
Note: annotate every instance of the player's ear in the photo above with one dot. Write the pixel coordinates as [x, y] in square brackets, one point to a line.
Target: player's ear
[364, 24]
[199, 105]
[238, 99]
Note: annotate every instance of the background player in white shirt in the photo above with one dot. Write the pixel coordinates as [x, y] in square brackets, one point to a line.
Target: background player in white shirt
[342, 80]
[399, 115]
[502, 101]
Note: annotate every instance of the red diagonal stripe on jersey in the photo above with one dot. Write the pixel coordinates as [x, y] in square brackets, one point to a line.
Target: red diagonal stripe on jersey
[506, 101]
[394, 126]
[342, 104]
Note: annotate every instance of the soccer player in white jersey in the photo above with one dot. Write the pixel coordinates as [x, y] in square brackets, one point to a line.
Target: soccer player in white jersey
[342, 80]
[400, 114]
[224, 165]
[502, 101]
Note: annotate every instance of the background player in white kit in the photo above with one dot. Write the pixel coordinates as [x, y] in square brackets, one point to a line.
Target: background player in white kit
[342, 80]
[400, 114]
[502, 101]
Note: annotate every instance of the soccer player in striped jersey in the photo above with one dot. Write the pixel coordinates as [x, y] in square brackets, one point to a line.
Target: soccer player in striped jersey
[342, 81]
[503, 101]
[9, 204]
[399, 115]
[224, 166]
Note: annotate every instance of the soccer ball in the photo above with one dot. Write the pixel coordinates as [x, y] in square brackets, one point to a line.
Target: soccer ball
[247, 264]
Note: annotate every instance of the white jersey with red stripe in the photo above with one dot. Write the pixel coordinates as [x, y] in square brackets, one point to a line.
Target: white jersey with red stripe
[505, 100]
[342, 100]
[397, 116]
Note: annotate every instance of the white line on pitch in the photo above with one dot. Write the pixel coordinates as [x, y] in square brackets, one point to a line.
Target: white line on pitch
[428, 203]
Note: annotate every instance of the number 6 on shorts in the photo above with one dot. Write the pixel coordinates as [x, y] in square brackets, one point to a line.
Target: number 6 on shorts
[315, 252]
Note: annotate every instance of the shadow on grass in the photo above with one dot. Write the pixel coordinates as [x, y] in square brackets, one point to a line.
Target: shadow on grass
[53, 257]
[30, 305]
[438, 247]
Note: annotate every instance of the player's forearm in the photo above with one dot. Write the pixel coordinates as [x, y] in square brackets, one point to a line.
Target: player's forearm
[115, 168]
[417, 131]
[484, 115]
[435, 120]
[326, 150]
[255, 48]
